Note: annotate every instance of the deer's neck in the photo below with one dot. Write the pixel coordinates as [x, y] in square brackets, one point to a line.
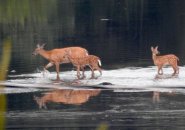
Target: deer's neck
[44, 53]
[154, 57]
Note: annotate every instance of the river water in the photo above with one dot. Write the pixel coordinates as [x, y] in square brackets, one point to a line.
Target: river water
[125, 98]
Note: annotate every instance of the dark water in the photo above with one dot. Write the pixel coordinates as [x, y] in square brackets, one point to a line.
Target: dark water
[116, 110]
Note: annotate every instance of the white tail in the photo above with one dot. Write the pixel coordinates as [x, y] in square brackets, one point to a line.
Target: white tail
[99, 62]
[87, 53]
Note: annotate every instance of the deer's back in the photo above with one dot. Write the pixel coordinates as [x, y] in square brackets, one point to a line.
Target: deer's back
[79, 61]
[87, 60]
[57, 55]
[166, 59]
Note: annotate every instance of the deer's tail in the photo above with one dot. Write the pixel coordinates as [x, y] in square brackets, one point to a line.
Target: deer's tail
[86, 53]
[99, 62]
[177, 58]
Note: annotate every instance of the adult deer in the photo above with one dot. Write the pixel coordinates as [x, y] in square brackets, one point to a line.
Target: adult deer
[56, 56]
[160, 61]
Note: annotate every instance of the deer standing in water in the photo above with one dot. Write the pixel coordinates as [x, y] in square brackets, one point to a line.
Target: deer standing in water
[90, 60]
[56, 56]
[160, 61]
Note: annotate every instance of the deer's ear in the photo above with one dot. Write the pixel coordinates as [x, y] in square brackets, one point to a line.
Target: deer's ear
[38, 46]
[156, 47]
[42, 46]
[152, 48]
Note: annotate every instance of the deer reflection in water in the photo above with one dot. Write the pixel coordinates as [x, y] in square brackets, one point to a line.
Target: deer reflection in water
[156, 95]
[66, 96]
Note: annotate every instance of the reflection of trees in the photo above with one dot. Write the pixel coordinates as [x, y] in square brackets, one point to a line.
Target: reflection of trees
[18, 17]
[67, 96]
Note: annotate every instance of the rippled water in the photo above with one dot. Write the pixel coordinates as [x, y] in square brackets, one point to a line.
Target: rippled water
[127, 98]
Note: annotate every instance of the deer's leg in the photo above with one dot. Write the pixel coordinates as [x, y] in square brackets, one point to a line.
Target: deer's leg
[92, 71]
[92, 75]
[78, 72]
[83, 71]
[57, 70]
[99, 69]
[50, 64]
[174, 69]
[160, 69]
[177, 68]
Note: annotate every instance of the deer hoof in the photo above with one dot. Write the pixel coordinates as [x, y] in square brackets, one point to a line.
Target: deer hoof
[174, 74]
[92, 78]
[83, 77]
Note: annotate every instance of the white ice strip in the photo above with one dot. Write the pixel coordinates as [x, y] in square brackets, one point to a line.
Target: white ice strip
[141, 77]
[128, 79]
[9, 90]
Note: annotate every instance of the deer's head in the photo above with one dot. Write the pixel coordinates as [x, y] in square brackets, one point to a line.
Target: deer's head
[155, 50]
[40, 103]
[38, 49]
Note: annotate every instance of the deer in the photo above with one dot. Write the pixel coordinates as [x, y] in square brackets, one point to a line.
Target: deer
[56, 56]
[160, 61]
[92, 61]
[66, 96]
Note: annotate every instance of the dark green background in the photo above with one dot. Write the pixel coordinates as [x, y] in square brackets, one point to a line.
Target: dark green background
[119, 31]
